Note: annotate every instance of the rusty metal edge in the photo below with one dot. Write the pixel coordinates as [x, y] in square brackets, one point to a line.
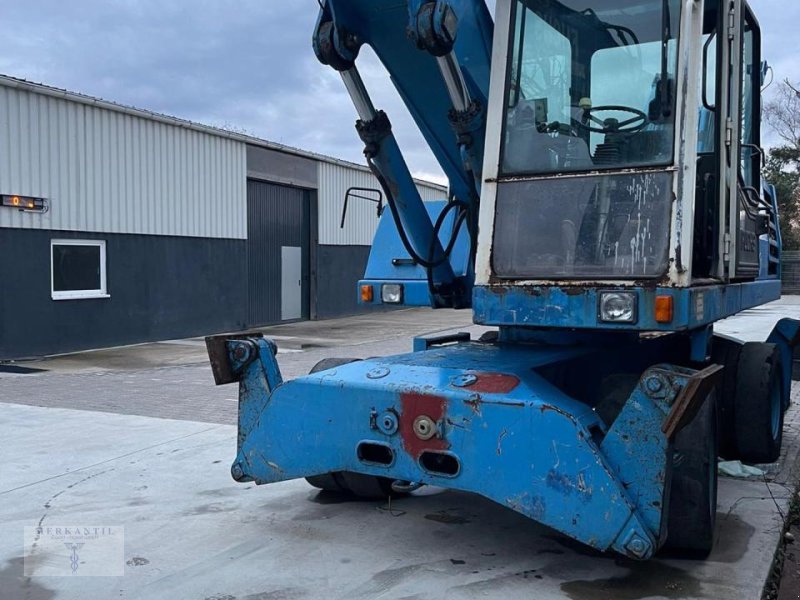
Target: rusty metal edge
[216, 346]
[690, 399]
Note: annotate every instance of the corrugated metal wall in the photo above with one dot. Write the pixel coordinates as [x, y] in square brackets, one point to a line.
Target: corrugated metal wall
[277, 216]
[334, 181]
[113, 172]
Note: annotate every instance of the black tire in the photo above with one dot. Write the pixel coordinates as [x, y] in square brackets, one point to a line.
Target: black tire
[345, 482]
[726, 352]
[489, 337]
[692, 511]
[367, 486]
[759, 404]
[329, 482]
[331, 363]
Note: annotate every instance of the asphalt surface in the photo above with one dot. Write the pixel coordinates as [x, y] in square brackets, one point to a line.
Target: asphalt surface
[140, 438]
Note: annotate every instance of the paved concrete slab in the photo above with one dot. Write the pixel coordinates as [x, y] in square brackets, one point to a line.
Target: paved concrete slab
[174, 380]
[755, 325]
[191, 532]
[359, 330]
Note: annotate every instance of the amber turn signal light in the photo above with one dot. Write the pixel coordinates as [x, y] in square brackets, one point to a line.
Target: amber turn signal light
[366, 293]
[664, 309]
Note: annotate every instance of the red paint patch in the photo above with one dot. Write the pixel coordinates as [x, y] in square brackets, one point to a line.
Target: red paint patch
[493, 383]
[414, 405]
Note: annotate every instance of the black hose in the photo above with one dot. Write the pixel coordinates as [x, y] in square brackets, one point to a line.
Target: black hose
[453, 237]
[390, 200]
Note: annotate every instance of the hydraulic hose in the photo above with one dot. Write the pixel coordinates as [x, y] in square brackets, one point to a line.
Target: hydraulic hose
[428, 263]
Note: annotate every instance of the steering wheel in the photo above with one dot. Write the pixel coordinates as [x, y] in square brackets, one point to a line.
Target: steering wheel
[610, 125]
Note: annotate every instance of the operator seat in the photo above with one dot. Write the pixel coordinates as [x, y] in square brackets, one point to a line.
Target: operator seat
[531, 148]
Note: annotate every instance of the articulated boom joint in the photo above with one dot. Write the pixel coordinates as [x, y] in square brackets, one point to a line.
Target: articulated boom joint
[373, 132]
[433, 27]
[335, 47]
[468, 125]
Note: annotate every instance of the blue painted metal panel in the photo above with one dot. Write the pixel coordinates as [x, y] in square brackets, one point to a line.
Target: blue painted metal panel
[577, 307]
[514, 437]
[389, 260]
[390, 263]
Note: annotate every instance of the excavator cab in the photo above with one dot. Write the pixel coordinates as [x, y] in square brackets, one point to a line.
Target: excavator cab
[621, 153]
[622, 181]
[605, 209]
[588, 140]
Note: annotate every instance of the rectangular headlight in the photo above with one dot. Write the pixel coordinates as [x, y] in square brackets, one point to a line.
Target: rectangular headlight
[618, 307]
[392, 293]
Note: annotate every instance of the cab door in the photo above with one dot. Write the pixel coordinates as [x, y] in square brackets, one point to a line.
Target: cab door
[750, 204]
[738, 119]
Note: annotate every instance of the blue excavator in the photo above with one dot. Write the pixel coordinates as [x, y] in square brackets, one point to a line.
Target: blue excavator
[606, 207]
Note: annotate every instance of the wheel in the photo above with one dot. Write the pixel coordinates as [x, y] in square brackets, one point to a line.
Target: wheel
[329, 482]
[331, 363]
[489, 337]
[692, 510]
[367, 486]
[758, 406]
[726, 352]
[346, 482]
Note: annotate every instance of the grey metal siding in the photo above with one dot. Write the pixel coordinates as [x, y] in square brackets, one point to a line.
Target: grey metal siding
[790, 263]
[161, 287]
[361, 223]
[277, 216]
[340, 268]
[111, 171]
[281, 167]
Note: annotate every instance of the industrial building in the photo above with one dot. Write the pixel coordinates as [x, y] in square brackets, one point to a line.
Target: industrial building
[121, 226]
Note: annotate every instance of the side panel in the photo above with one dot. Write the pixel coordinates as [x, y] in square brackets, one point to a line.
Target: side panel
[108, 171]
[362, 219]
[577, 307]
[339, 268]
[160, 287]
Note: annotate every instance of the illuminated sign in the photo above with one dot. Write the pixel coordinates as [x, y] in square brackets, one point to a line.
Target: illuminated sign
[25, 203]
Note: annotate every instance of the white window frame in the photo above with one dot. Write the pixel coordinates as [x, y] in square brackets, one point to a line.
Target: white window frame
[79, 294]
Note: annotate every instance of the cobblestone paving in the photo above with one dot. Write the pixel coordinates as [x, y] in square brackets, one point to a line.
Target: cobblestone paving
[187, 392]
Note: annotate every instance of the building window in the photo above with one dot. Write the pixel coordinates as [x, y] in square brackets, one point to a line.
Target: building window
[78, 269]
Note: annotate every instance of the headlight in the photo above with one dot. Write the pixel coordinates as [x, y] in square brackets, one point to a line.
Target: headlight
[618, 307]
[392, 293]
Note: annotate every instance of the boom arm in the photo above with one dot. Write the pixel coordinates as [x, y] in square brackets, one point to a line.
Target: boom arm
[438, 55]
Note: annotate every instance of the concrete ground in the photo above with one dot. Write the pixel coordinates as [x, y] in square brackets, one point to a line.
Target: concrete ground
[140, 438]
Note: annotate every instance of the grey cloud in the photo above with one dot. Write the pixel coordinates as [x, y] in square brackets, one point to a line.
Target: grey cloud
[245, 64]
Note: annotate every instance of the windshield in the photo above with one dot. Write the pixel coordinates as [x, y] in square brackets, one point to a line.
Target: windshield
[590, 85]
[602, 226]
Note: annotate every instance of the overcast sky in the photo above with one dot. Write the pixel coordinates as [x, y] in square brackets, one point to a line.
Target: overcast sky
[241, 64]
